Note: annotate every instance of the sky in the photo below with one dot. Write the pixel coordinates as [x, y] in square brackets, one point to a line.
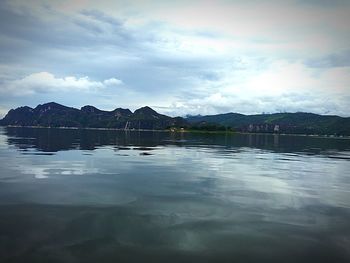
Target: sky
[178, 57]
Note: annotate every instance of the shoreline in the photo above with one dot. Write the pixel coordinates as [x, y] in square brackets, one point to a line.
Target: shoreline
[183, 131]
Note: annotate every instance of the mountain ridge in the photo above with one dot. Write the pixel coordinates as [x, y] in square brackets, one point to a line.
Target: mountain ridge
[53, 114]
[293, 123]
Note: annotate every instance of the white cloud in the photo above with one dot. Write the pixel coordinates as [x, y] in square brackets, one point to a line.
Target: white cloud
[3, 112]
[45, 82]
[266, 26]
[259, 104]
[283, 77]
[112, 82]
[281, 86]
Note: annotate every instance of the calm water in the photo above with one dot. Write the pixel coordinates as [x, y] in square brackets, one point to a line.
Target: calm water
[114, 196]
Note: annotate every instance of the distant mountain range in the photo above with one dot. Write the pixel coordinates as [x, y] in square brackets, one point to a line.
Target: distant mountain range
[291, 123]
[56, 115]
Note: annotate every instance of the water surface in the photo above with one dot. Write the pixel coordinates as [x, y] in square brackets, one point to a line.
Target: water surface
[115, 196]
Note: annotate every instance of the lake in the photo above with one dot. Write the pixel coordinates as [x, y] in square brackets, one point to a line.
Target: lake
[130, 196]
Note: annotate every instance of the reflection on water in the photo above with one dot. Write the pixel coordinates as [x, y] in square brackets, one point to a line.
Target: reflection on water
[114, 196]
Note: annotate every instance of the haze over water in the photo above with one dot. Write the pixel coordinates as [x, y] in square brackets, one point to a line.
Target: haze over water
[115, 196]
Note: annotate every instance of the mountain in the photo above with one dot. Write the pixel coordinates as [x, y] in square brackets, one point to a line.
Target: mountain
[56, 115]
[292, 123]
[150, 119]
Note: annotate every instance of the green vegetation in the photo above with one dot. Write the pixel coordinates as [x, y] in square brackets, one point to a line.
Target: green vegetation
[56, 115]
[292, 123]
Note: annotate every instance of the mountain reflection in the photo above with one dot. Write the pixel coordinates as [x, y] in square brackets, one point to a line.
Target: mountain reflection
[54, 140]
[115, 196]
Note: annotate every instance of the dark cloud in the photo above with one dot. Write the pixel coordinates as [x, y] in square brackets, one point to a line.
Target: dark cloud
[325, 3]
[100, 16]
[341, 59]
[96, 45]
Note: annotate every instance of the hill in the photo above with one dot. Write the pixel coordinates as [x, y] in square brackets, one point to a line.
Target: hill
[56, 115]
[292, 123]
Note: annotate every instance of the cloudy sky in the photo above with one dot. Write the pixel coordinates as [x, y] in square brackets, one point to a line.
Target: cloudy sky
[179, 57]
